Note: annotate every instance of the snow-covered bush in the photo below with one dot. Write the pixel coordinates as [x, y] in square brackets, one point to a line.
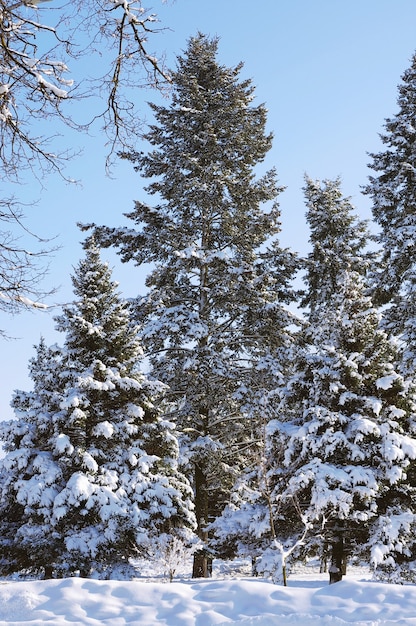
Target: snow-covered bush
[171, 553]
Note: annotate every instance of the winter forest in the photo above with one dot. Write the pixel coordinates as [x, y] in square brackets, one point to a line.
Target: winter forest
[252, 402]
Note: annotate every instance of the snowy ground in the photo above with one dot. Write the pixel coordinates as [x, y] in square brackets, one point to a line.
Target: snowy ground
[222, 600]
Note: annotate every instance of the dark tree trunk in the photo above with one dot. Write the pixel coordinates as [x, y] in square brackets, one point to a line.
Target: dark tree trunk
[85, 571]
[337, 567]
[202, 565]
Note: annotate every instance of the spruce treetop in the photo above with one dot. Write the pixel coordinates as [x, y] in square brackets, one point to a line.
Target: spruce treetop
[338, 240]
[392, 189]
[98, 322]
[206, 144]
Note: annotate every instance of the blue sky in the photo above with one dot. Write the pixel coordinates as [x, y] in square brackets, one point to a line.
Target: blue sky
[328, 72]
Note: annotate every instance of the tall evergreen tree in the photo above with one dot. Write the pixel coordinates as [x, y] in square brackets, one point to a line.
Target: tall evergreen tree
[346, 437]
[219, 283]
[90, 474]
[392, 189]
[339, 453]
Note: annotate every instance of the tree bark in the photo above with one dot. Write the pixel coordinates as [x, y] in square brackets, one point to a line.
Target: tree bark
[202, 562]
[337, 567]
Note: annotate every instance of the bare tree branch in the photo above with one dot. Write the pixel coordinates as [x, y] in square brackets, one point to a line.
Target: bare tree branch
[21, 268]
[35, 80]
[39, 42]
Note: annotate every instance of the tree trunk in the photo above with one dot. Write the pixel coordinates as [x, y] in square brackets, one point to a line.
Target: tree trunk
[337, 567]
[202, 565]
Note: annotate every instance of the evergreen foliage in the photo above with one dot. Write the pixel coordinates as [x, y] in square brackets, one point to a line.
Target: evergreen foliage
[283, 438]
[392, 190]
[346, 435]
[339, 453]
[215, 307]
[91, 470]
[338, 240]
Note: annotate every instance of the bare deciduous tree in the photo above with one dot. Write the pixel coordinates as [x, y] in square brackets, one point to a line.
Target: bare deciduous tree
[38, 40]
[21, 269]
[41, 45]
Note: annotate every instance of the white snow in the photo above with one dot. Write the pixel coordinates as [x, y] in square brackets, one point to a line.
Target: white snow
[105, 429]
[308, 600]
[386, 382]
[63, 444]
[27, 301]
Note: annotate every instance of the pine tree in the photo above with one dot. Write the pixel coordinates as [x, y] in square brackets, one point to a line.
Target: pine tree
[339, 243]
[91, 472]
[339, 453]
[347, 447]
[346, 438]
[26, 441]
[392, 190]
[214, 309]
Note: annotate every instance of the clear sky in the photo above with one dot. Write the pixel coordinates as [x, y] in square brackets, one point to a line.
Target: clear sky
[328, 72]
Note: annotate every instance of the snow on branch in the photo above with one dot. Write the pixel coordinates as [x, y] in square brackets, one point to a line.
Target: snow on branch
[37, 48]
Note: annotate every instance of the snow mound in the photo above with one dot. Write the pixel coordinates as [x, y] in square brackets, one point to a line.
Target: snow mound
[237, 602]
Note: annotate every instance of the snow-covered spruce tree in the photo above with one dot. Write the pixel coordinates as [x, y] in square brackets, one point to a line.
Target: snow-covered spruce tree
[215, 303]
[90, 474]
[344, 444]
[256, 519]
[392, 189]
[339, 243]
[25, 440]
